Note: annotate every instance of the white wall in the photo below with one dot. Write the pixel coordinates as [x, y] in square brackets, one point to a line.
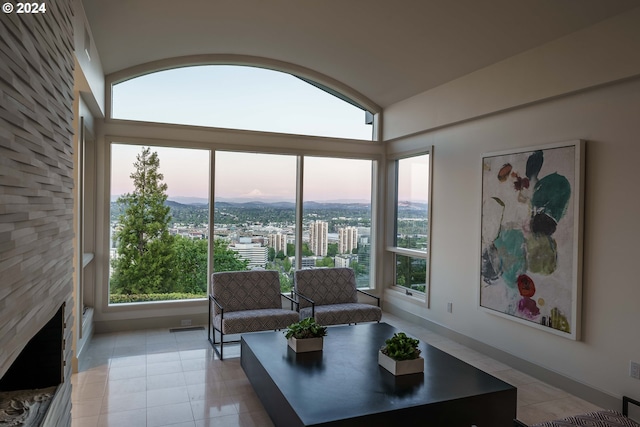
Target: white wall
[599, 54]
[607, 117]
[88, 74]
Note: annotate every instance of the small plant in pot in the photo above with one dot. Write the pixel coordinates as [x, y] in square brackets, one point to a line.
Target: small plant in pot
[305, 335]
[400, 355]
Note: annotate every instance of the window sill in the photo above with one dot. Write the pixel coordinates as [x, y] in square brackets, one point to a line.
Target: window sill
[153, 305]
[400, 293]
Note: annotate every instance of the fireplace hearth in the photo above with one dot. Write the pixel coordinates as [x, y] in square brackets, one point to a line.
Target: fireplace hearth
[29, 385]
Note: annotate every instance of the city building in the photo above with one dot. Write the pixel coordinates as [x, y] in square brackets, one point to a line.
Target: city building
[255, 253]
[345, 260]
[278, 242]
[307, 262]
[452, 79]
[347, 239]
[318, 238]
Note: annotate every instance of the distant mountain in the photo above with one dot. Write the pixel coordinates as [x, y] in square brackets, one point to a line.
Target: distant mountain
[413, 205]
[256, 205]
[250, 200]
[334, 205]
[187, 200]
[197, 212]
[175, 205]
[195, 202]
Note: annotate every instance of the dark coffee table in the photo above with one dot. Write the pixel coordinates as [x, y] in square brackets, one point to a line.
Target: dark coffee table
[343, 385]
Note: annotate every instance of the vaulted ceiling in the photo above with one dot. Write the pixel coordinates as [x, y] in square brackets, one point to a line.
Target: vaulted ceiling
[386, 50]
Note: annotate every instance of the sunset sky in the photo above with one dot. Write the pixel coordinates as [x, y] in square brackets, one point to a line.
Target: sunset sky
[251, 99]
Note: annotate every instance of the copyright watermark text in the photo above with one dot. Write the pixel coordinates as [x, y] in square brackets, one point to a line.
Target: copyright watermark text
[24, 8]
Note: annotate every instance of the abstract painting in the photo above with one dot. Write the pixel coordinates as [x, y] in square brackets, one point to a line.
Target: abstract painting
[531, 236]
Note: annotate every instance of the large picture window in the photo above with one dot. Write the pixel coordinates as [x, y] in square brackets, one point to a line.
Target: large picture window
[411, 223]
[238, 97]
[165, 238]
[337, 215]
[159, 223]
[255, 213]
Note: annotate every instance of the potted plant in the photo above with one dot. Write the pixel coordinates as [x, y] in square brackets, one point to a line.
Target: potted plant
[400, 355]
[305, 335]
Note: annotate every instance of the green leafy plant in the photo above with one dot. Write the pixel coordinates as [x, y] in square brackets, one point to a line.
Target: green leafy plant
[401, 347]
[306, 328]
[124, 298]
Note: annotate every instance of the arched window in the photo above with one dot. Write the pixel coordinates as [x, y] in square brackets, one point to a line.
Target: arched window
[239, 97]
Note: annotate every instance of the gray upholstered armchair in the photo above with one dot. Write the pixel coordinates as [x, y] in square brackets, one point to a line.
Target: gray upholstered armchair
[330, 296]
[246, 301]
[603, 418]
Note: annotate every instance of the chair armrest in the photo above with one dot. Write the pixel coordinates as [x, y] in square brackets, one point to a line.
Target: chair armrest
[517, 423]
[303, 297]
[215, 301]
[625, 404]
[313, 304]
[370, 295]
[293, 301]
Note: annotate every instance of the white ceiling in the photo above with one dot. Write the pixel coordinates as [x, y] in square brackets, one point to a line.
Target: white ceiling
[387, 50]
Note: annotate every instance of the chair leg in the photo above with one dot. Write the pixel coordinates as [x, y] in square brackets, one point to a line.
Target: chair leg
[210, 323]
[214, 343]
[211, 336]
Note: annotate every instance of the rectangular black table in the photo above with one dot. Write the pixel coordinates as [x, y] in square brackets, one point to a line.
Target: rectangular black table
[343, 385]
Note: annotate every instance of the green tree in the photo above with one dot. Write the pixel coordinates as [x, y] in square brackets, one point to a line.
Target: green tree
[286, 265]
[325, 262]
[224, 259]
[306, 251]
[411, 272]
[144, 259]
[286, 282]
[191, 265]
[281, 255]
[332, 249]
[271, 254]
[358, 268]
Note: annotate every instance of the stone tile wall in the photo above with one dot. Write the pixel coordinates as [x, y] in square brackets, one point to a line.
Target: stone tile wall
[36, 182]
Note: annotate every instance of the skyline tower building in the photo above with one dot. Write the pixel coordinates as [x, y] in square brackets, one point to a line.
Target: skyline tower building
[278, 242]
[318, 236]
[347, 239]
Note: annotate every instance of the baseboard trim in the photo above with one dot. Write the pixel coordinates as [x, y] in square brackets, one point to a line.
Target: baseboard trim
[576, 388]
[83, 343]
[168, 322]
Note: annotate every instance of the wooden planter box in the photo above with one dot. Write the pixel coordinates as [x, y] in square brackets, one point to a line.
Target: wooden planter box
[402, 367]
[305, 345]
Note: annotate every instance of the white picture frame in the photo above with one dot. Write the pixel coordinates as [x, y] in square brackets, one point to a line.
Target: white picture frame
[531, 236]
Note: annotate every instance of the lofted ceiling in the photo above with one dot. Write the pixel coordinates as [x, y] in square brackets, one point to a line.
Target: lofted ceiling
[386, 50]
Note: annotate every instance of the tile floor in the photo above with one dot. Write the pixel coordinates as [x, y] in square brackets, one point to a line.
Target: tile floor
[157, 378]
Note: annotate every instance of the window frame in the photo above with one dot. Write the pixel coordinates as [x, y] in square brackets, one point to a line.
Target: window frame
[373, 153]
[216, 139]
[375, 231]
[372, 111]
[391, 247]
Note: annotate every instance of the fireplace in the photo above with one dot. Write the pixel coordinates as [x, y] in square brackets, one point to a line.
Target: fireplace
[29, 386]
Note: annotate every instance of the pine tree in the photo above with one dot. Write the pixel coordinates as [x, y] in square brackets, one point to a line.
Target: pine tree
[144, 247]
[191, 265]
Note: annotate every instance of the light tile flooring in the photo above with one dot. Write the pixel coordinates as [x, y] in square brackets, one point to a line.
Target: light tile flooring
[157, 378]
